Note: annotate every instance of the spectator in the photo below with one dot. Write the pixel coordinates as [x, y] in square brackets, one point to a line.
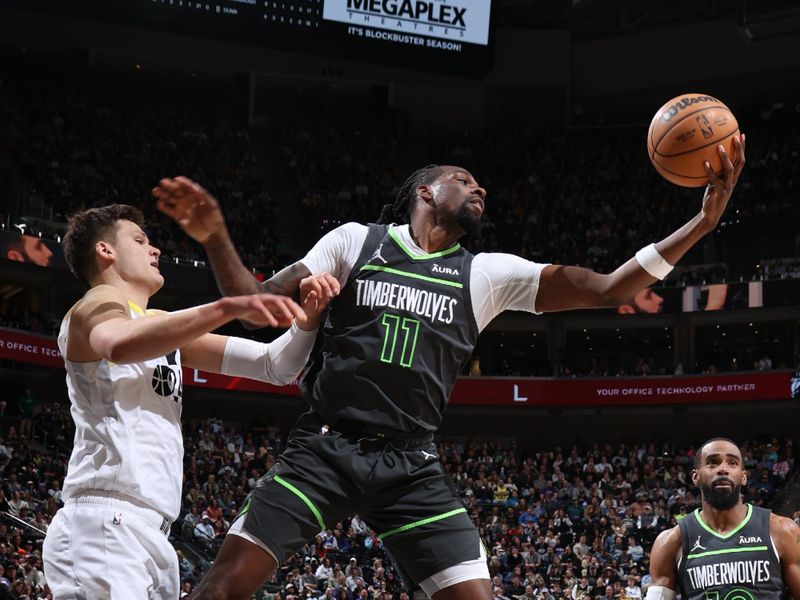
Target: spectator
[635, 550]
[323, 573]
[632, 590]
[204, 531]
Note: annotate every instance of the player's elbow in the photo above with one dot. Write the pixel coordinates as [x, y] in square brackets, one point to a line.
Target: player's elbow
[597, 290]
[119, 351]
[285, 378]
[109, 347]
[123, 349]
[610, 295]
[612, 300]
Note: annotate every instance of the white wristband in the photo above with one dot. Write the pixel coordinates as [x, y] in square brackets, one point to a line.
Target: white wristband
[652, 262]
[659, 592]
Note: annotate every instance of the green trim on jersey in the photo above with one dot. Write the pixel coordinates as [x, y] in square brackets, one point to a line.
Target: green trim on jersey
[454, 284]
[422, 522]
[304, 498]
[703, 524]
[246, 507]
[729, 551]
[412, 256]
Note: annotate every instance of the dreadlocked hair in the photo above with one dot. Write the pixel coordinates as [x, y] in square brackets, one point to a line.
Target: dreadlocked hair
[400, 210]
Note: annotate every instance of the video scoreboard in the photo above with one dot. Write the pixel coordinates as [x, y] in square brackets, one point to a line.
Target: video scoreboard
[449, 36]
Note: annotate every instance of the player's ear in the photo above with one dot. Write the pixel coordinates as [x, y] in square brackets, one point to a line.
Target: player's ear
[426, 193]
[744, 478]
[15, 255]
[626, 309]
[696, 477]
[104, 250]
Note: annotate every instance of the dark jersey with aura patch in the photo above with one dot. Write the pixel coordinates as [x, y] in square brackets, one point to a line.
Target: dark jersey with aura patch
[396, 337]
[740, 565]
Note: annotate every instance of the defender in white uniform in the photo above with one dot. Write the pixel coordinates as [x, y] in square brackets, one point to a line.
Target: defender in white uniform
[123, 485]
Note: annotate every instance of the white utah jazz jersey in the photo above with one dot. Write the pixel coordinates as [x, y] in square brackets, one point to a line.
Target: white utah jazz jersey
[127, 428]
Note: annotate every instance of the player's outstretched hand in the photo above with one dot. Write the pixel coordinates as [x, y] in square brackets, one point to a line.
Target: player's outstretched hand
[192, 207]
[316, 291]
[719, 191]
[264, 309]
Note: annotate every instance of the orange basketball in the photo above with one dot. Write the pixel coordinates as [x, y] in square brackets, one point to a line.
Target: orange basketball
[685, 133]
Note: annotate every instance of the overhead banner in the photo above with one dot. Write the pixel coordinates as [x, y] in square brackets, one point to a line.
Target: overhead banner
[453, 20]
[448, 36]
[29, 348]
[497, 391]
[733, 387]
[41, 350]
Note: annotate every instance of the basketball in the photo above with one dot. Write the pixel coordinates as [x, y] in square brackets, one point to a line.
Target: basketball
[685, 133]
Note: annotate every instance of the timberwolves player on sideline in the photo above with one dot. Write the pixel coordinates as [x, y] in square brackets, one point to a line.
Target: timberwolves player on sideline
[412, 304]
[123, 484]
[727, 550]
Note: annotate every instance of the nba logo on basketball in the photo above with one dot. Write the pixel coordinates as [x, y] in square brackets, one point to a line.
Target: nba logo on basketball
[705, 126]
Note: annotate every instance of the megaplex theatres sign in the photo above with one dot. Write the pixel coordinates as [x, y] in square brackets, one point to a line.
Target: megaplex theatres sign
[455, 20]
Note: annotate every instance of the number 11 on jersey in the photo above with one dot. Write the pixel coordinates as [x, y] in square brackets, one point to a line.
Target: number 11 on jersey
[394, 325]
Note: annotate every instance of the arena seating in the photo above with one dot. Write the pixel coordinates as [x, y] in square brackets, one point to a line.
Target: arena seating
[64, 148]
[568, 522]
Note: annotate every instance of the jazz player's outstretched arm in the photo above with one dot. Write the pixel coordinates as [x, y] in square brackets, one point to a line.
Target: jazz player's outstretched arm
[564, 287]
[663, 565]
[101, 326]
[277, 362]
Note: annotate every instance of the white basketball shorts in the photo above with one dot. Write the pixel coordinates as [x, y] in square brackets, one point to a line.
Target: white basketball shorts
[103, 548]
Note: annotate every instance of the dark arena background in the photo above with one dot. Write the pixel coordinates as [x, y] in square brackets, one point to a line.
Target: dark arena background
[300, 115]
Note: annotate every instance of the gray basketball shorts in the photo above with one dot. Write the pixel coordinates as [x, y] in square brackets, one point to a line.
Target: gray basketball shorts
[404, 495]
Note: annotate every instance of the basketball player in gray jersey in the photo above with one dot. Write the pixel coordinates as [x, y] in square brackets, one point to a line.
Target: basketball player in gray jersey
[726, 550]
[412, 304]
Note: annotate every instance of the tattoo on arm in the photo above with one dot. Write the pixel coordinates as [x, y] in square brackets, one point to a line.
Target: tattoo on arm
[287, 281]
[233, 278]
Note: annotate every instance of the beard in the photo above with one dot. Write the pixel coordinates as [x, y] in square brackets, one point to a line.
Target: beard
[721, 499]
[469, 221]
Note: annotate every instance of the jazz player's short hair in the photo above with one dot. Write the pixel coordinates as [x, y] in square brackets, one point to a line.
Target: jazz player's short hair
[88, 227]
[697, 456]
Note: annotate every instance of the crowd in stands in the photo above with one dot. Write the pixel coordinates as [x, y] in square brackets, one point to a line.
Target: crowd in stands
[780, 268]
[576, 197]
[562, 523]
[73, 147]
[29, 321]
[553, 197]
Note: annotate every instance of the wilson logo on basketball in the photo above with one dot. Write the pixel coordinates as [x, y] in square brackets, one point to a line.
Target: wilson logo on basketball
[683, 103]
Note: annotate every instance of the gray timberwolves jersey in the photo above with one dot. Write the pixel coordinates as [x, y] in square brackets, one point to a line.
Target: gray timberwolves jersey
[396, 337]
[740, 565]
